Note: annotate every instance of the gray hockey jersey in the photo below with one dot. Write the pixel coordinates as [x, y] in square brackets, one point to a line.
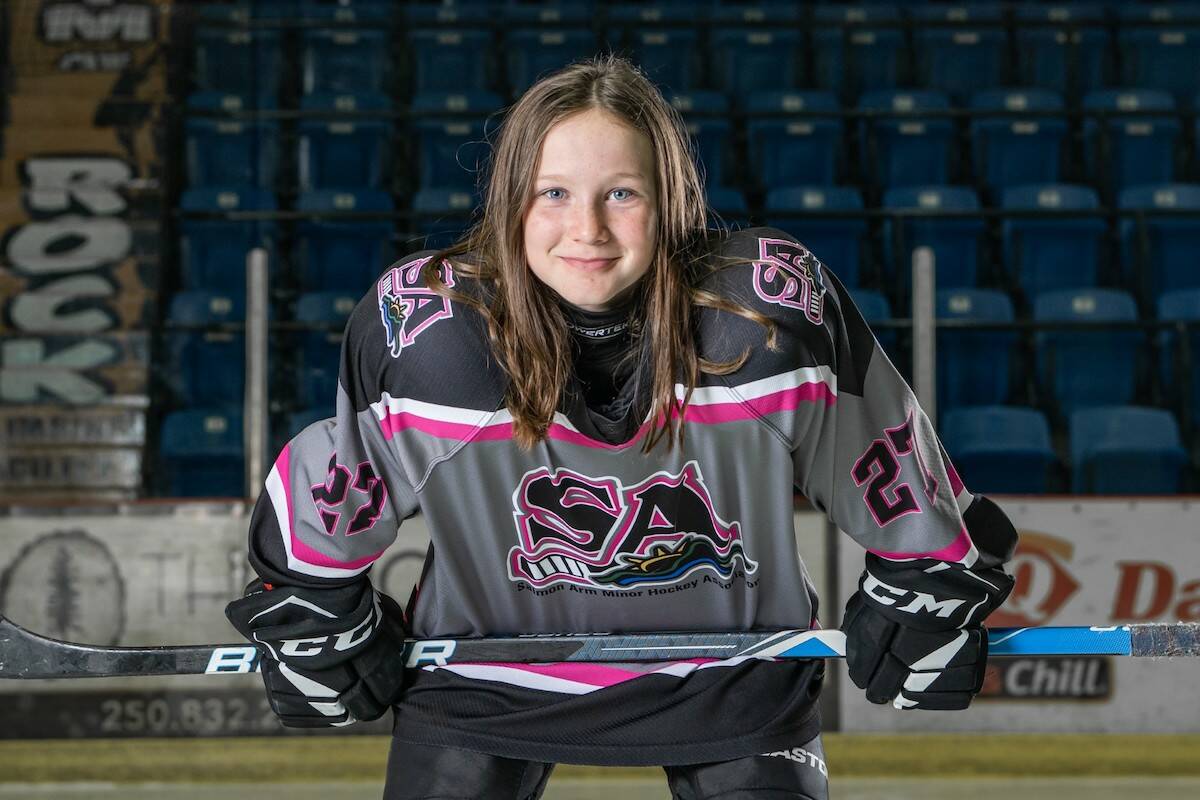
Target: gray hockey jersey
[582, 534]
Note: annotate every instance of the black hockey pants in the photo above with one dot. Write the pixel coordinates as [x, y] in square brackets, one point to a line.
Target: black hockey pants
[421, 772]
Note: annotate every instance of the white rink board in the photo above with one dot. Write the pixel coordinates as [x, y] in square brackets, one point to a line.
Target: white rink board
[157, 574]
[146, 574]
[1099, 562]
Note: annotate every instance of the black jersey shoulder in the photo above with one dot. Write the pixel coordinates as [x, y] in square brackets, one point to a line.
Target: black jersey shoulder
[405, 339]
[770, 271]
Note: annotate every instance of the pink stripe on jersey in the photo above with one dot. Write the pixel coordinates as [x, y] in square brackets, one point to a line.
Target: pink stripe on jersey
[284, 470]
[786, 400]
[956, 484]
[954, 552]
[596, 675]
[301, 550]
[572, 677]
[394, 422]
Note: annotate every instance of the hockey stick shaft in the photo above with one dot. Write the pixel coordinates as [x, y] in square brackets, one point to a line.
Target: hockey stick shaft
[24, 654]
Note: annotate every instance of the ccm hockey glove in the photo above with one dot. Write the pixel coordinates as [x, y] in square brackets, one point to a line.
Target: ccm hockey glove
[910, 668]
[914, 631]
[331, 657]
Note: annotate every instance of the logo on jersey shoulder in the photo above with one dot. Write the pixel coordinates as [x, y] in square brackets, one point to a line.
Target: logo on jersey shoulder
[598, 533]
[407, 307]
[789, 275]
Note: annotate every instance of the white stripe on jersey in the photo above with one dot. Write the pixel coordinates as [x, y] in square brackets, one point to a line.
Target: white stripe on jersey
[712, 395]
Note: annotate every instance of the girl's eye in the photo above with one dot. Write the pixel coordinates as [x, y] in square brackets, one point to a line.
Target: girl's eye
[626, 191]
[548, 191]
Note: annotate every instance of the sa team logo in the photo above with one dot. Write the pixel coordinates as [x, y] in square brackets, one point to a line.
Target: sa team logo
[789, 275]
[407, 306]
[598, 533]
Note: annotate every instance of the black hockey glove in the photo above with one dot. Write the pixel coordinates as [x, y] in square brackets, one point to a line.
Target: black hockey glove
[914, 632]
[910, 668]
[331, 657]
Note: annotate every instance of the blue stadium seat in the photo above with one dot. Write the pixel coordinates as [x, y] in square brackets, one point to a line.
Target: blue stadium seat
[729, 204]
[299, 420]
[668, 55]
[418, 15]
[209, 100]
[1185, 395]
[1072, 59]
[1052, 252]
[973, 366]
[1125, 450]
[1000, 449]
[1010, 151]
[874, 308]
[450, 60]
[351, 102]
[229, 152]
[451, 150]
[344, 254]
[320, 348]
[243, 11]
[1084, 368]
[904, 149]
[207, 365]
[959, 59]
[851, 57]
[794, 151]
[710, 133]
[565, 13]
[347, 11]
[346, 60]
[446, 216]
[955, 240]
[213, 251]
[201, 454]
[1126, 149]
[1160, 55]
[744, 61]
[239, 61]
[836, 241]
[344, 155]
[1159, 253]
[533, 53]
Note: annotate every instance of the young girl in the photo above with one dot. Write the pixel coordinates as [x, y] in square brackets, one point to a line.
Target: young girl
[603, 409]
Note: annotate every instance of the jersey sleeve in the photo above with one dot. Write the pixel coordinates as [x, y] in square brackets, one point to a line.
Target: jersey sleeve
[873, 462]
[336, 494]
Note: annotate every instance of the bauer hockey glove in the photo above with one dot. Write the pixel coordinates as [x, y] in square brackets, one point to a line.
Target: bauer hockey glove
[914, 632]
[331, 657]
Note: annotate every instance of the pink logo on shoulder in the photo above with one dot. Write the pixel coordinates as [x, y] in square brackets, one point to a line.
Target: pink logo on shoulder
[789, 275]
[407, 307]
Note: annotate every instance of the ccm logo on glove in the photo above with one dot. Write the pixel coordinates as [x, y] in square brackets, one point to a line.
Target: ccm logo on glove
[920, 603]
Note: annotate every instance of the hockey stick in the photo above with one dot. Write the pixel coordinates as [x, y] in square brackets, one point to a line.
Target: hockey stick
[24, 654]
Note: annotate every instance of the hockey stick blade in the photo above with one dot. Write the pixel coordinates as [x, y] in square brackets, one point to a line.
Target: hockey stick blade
[24, 654]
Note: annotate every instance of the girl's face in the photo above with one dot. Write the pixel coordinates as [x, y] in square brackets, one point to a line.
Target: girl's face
[591, 228]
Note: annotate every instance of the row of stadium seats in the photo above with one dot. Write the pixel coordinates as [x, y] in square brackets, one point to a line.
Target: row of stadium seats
[996, 449]
[980, 366]
[334, 249]
[959, 49]
[790, 138]
[987, 366]
[1111, 450]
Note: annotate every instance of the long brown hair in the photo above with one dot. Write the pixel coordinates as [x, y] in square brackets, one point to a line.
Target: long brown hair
[526, 326]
